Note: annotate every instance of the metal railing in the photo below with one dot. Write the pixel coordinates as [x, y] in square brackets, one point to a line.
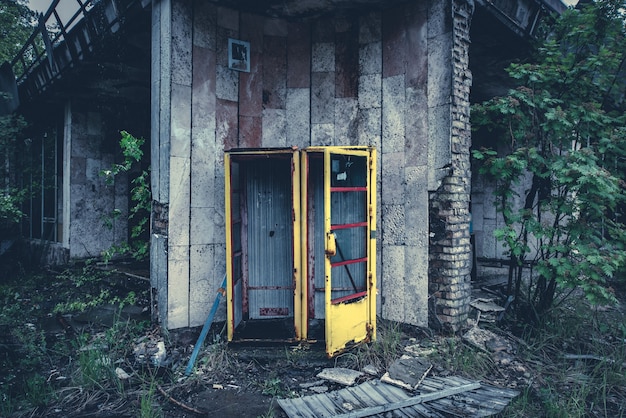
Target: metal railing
[57, 45]
[50, 31]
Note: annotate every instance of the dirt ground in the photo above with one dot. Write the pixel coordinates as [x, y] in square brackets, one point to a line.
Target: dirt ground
[244, 380]
[253, 377]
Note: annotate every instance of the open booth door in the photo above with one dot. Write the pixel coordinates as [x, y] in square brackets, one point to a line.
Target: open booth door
[349, 231]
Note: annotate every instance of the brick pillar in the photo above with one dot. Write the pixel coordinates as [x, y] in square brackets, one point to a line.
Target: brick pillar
[450, 250]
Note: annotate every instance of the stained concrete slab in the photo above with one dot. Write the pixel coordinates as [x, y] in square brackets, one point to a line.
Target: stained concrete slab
[340, 375]
[407, 372]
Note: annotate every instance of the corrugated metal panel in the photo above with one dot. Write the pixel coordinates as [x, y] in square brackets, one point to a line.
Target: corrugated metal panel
[270, 236]
[349, 208]
[349, 278]
[346, 208]
[363, 400]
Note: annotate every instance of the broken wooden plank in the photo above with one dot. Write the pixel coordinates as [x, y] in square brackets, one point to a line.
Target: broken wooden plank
[590, 357]
[485, 401]
[340, 375]
[410, 402]
[486, 305]
[393, 393]
[296, 407]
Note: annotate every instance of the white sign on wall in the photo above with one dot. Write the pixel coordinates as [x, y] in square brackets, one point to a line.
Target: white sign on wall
[238, 55]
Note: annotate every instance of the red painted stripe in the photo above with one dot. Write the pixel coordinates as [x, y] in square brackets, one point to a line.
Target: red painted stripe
[270, 288]
[349, 189]
[347, 226]
[355, 261]
[347, 298]
[335, 289]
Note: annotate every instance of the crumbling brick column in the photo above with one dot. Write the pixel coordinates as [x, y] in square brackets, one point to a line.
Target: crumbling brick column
[450, 250]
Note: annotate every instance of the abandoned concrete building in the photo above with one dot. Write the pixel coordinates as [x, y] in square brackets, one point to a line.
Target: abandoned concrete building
[315, 154]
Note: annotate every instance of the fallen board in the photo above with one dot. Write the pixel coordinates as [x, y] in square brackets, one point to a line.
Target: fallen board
[367, 399]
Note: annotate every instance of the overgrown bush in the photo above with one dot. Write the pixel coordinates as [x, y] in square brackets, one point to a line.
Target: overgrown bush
[11, 196]
[562, 140]
[138, 246]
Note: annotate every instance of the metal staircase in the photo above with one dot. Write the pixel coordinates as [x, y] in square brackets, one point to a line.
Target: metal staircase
[56, 46]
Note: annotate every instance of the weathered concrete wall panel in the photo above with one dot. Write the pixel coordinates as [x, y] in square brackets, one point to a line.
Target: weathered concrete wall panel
[180, 145]
[346, 58]
[416, 82]
[158, 277]
[177, 284]
[392, 285]
[159, 156]
[322, 97]
[298, 55]
[395, 52]
[274, 128]
[394, 114]
[486, 219]
[274, 72]
[203, 146]
[202, 288]
[346, 121]
[89, 201]
[298, 113]
[406, 78]
[181, 42]
[383, 79]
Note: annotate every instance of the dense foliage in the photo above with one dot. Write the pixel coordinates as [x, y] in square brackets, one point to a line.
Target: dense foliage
[139, 245]
[561, 144]
[11, 127]
[16, 26]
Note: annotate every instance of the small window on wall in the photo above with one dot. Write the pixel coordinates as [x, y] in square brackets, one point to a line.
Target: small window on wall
[41, 176]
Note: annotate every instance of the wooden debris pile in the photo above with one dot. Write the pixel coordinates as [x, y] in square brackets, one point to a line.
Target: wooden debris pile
[406, 389]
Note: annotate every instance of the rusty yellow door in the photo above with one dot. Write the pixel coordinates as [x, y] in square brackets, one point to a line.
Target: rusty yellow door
[350, 243]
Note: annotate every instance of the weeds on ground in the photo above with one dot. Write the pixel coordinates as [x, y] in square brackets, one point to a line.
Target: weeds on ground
[273, 387]
[69, 371]
[23, 347]
[525, 405]
[216, 358]
[459, 358]
[94, 366]
[380, 353]
[578, 359]
[37, 391]
[7, 403]
[90, 290]
[31, 346]
[270, 412]
[148, 405]
[297, 356]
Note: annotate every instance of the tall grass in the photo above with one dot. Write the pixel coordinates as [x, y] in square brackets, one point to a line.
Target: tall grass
[578, 362]
[381, 353]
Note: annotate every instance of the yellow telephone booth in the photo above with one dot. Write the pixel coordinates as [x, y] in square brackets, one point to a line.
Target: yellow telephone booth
[301, 245]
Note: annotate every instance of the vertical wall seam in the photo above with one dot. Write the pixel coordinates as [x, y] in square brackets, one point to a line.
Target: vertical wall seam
[191, 148]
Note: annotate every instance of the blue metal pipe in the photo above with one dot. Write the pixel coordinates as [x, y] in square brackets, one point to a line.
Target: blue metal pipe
[205, 329]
